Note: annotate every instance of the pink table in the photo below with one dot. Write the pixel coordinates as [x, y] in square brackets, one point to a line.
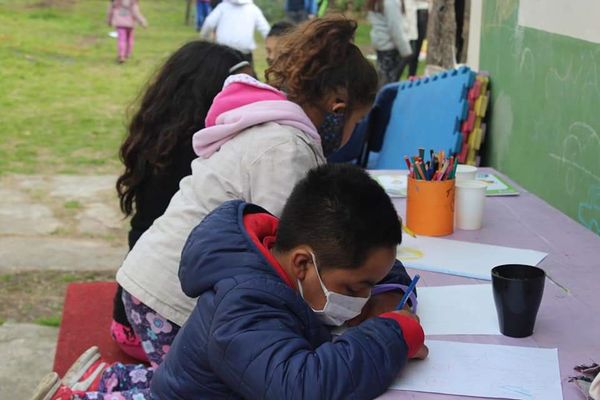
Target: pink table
[569, 321]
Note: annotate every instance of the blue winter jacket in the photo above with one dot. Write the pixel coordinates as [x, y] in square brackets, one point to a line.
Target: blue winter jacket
[252, 336]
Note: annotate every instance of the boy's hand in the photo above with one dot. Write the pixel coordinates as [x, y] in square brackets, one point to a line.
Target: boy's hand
[378, 304]
[423, 352]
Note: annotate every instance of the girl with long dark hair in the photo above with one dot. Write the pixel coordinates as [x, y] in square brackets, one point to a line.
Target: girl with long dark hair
[157, 151]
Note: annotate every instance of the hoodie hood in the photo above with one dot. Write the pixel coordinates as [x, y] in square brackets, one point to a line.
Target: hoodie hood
[221, 247]
[240, 90]
[243, 103]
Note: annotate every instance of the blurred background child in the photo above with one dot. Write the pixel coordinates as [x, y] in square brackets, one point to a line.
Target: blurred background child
[233, 23]
[123, 15]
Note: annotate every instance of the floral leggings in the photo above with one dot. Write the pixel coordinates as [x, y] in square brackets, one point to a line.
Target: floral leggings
[156, 332]
[122, 382]
[132, 382]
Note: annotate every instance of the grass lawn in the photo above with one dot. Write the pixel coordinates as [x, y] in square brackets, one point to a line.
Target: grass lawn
[63, 98]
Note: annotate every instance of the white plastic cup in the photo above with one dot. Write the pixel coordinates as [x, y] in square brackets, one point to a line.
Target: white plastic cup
[465, 172]
[468, 204]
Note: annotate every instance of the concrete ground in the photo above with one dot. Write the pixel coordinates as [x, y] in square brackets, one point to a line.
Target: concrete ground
[28, 353]
[66, 223]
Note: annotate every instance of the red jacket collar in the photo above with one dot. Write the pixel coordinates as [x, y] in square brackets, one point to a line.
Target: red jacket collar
[262, 229]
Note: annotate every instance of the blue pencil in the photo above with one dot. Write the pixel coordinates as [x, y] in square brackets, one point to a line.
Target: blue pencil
[410, 289]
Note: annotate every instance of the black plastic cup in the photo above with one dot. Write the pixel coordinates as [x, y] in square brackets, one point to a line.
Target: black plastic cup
[518, 291]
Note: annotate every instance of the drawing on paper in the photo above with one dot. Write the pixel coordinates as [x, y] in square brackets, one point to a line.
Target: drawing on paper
[409, 254]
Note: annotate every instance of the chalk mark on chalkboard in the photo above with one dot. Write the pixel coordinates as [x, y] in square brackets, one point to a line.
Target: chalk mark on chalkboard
[588, 212]
[527, 55]
[585, 72]
[590, 86]
[571, 153]
[553, 76]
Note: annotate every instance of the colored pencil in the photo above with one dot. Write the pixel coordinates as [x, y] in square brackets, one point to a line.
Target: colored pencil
[407, 162]
[438, 168]
[409, 290]
[408, 231]
[421, 172]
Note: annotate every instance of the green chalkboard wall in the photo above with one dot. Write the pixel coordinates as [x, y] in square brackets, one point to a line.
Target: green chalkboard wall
[545, 112]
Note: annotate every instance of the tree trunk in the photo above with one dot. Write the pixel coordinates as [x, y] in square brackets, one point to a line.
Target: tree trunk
[188, 12]
[448, 33]
[441, 34]
[465, 33]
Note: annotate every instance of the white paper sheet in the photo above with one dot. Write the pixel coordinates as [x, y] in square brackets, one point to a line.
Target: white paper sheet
[458, 310]
[472, 260]
[394, 185]
[469, 369]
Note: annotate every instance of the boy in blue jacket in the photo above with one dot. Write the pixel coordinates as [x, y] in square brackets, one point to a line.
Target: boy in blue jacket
[269, 292]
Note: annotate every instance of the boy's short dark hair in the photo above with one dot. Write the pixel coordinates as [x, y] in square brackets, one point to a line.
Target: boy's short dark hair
[342, 214]
[280, 28]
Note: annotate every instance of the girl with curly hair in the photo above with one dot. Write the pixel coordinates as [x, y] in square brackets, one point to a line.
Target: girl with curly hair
[259, 140]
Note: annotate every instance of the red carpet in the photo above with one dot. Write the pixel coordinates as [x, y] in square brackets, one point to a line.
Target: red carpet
[86, 318]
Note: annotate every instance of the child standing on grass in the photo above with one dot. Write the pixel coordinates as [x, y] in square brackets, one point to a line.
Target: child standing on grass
[387, 18]
[123, 15]
[233, 23]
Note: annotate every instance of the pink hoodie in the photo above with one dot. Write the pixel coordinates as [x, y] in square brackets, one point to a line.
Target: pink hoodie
[125, 13]
[243, 103]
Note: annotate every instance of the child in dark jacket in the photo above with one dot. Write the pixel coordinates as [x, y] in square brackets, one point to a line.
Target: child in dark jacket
[269, 292]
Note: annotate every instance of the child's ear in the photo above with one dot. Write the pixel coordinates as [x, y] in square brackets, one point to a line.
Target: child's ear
[339, 107]
[336, 101]
[300, 260]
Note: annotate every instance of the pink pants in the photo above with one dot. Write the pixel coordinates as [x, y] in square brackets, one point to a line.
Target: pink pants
[124, 42]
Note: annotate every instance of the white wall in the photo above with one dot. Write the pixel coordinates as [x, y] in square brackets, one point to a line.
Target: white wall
[474, 34]
[576, 18]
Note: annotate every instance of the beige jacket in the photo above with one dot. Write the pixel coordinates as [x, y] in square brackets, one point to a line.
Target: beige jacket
[595, 388]
[260, 165]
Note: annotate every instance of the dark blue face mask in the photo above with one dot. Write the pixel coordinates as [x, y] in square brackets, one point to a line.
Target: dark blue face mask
[331, 131]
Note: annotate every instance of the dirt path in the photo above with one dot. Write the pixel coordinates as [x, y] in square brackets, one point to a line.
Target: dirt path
[55, 230]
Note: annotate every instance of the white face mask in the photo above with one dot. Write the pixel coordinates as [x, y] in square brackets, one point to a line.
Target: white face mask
[338, 308]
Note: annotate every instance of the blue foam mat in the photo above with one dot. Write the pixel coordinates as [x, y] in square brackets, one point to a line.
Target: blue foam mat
[426, 113]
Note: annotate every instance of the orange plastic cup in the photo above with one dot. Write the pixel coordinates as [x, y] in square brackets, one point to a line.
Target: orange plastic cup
[430, 207]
